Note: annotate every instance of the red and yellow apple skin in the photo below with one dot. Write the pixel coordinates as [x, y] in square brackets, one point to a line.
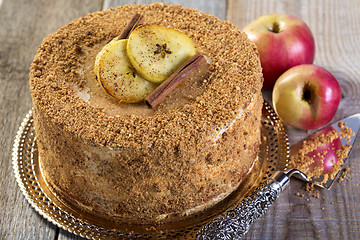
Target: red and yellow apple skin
[283, 41]
[306, 96]
[325, 155]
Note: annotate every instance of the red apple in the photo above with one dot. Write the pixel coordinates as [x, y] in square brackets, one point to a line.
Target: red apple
[283, 41]
[306, 96]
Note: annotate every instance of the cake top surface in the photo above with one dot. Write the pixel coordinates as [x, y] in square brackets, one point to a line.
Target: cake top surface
[233, 78]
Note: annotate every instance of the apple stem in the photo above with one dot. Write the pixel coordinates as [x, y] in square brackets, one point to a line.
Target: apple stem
[275, 28]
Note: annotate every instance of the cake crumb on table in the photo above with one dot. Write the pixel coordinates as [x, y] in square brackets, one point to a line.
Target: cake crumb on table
[344, 175]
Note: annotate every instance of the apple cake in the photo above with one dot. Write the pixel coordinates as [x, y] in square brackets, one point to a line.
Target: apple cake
[126, 161]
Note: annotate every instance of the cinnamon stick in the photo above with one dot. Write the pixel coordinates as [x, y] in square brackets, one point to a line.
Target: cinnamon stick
[174, 80]
[135, 21]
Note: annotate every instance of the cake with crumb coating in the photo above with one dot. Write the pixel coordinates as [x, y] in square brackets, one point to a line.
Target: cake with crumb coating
[131, 163]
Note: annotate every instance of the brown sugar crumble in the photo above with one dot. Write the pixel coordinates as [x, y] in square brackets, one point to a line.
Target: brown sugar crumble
[303, 160]
[127, 167]
[230, 68]
[310, 188]
[345, 175]
[311, 191]
[299, 194]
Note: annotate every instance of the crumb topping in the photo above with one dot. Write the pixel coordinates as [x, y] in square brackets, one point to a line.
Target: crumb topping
[345, 175]
[234, 77]
[304, 159]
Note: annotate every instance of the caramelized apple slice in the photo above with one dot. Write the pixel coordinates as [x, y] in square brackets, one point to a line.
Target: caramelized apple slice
[117, 76]
[98, 56]
[156, 51]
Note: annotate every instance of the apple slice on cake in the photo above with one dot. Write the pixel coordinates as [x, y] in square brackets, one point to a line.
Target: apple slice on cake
[118, 77]
[156, 51]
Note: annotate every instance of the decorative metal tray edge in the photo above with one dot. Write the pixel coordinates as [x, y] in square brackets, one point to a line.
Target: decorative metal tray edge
[20, 139]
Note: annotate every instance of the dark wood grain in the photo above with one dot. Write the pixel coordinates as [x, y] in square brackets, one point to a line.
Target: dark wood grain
[23, 25]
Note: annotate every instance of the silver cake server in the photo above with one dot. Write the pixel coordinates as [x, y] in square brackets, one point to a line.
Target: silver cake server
[235, 223]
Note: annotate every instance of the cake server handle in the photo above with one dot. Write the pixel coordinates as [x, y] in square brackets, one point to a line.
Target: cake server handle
[237, 221]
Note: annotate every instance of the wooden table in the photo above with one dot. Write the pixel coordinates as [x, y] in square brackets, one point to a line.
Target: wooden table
[336, 28]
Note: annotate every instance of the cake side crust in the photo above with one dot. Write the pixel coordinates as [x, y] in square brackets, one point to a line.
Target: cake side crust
[141, 185]
[147, 169]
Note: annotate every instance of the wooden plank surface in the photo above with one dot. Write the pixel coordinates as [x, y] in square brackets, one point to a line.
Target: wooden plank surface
[336, 28]
[335, 25]
[214, 7]
[23, 25]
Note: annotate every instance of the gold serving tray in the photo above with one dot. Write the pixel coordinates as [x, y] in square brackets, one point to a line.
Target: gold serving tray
[273, 156]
